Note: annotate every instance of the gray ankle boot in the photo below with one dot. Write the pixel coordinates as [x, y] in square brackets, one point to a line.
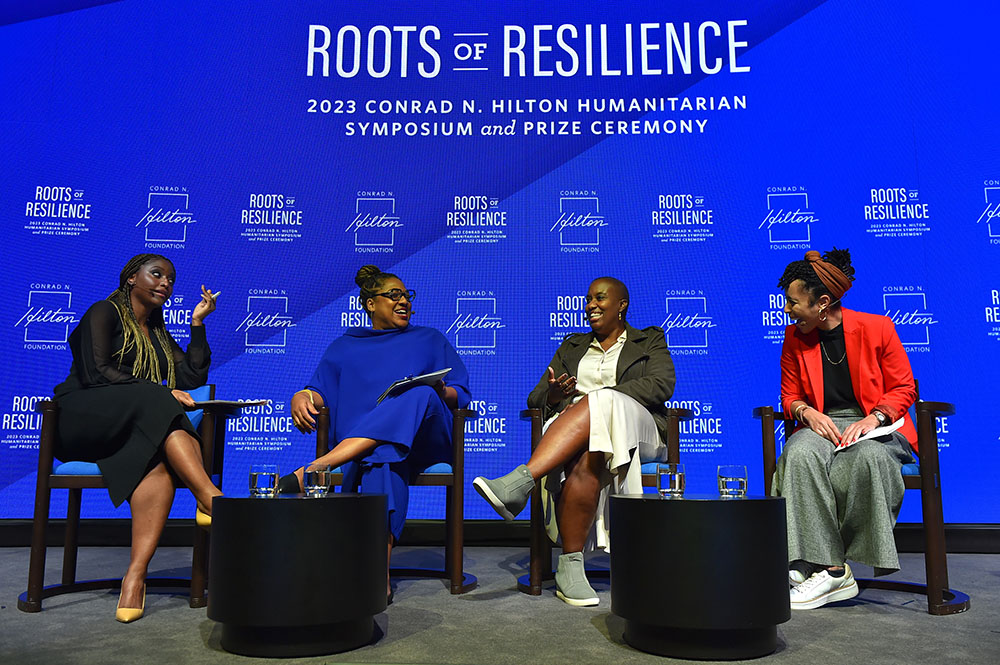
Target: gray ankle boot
[571, 581]
[507, 494]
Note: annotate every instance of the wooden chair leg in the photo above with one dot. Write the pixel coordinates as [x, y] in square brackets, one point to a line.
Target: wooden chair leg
[70, 546]
[540, 557]
[32, 601]
[199, 568]
[453, 549]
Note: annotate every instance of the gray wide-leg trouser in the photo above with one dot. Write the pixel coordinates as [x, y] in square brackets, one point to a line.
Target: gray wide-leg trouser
[842, 503]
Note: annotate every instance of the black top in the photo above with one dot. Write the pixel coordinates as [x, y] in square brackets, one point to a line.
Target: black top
[99, 336]
[838, 392]
[109, 416]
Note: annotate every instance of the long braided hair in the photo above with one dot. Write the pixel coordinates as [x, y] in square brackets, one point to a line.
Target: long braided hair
[145, 365]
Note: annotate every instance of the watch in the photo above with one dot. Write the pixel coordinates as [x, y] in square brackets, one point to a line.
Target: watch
[882, 420]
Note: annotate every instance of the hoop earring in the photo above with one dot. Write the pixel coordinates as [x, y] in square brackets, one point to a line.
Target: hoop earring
[822, 314]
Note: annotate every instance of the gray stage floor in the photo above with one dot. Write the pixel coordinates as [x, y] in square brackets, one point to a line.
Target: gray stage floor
[492, 624]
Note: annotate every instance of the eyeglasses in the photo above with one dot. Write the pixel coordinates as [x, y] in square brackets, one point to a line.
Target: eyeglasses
[396, 294]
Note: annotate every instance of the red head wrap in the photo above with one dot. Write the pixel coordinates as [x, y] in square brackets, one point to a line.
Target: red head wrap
[832, 277]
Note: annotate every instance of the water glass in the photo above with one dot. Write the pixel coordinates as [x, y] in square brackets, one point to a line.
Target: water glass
[316, 480]
[732, 481]
[670, 480]
[263, 480]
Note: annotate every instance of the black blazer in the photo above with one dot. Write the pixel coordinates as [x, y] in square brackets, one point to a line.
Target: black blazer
[645, 372]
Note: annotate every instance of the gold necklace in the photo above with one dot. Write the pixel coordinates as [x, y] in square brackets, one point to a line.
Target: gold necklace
[830, 360]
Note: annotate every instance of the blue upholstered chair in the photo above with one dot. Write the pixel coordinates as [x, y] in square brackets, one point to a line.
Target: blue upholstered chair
[78, 476]
[925, 475]
[540, 557]
[450, 476]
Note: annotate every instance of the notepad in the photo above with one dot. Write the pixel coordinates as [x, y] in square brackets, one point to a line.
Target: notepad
[228, 402]
[408, 382]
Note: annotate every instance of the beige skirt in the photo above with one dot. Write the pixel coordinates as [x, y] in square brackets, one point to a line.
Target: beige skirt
[626, 433]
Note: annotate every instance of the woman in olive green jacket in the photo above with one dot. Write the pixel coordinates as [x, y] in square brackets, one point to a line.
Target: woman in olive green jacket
[603, 399]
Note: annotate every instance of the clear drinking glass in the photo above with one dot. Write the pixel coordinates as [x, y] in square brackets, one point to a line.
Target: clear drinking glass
[264, 480]
[316, 480]
[732, 481]
[670, 480]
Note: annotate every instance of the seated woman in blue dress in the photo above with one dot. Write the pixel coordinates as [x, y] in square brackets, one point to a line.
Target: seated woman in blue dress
[380, 445]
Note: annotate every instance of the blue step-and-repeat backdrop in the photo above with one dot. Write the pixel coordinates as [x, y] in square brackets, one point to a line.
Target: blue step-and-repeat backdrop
[498, 156]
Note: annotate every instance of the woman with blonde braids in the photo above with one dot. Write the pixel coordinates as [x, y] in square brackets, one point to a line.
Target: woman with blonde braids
[122, 406]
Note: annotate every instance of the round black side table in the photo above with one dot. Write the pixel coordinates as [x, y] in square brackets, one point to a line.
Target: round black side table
[700, 577]
[297, 576]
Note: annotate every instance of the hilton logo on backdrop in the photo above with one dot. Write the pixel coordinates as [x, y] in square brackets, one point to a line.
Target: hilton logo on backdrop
[266, 323]
[168, 216]
[48, 318]
[476, 323]
[579, 222]
[687, 323]
[375, 222]
[789, 218]
[907, 307]
[990, 217]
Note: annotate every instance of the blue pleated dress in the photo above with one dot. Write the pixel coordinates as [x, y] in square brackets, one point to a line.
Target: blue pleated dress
[413, 429]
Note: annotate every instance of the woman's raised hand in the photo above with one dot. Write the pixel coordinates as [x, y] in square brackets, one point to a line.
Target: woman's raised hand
[560, 387]
[303, 411]
[184, 398]
[204, 307]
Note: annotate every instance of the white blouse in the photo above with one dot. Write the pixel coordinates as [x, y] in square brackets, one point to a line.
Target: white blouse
[598, 368]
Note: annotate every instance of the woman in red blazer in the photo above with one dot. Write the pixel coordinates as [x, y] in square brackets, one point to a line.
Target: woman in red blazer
[843, 374]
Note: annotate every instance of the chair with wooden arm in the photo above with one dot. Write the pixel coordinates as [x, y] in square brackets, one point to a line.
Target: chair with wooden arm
[78, 476]
[540, 558]
[925, 476]
[452, 478]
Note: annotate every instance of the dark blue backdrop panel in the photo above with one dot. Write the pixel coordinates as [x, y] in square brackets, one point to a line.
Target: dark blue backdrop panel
[514, 153]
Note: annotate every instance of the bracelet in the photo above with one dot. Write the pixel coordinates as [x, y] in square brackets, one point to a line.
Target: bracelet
[308, 392]
[799, 410]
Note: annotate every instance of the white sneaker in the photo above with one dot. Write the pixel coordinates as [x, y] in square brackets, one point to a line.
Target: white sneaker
[822, 588]
[796, 577]
[799, 571]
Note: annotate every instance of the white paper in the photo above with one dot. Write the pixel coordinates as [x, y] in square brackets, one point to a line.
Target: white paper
[877, 432]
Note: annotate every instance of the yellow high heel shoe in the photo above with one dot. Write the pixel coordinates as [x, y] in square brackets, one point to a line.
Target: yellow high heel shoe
[202, 520]
[130, 614]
